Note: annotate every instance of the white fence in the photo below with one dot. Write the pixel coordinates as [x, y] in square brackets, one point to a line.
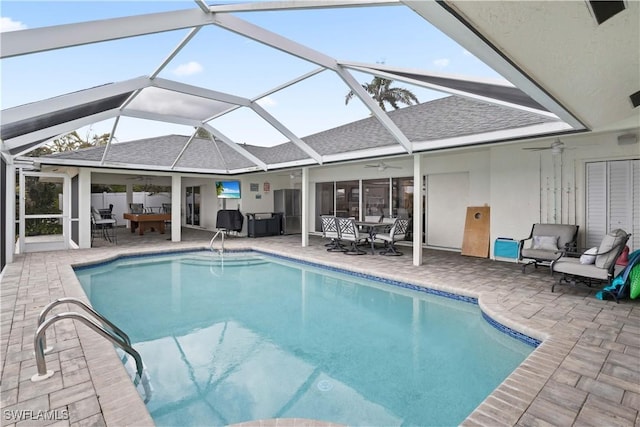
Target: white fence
[119, 201]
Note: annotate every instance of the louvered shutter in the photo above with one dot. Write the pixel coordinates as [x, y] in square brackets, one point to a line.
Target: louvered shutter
[596, 198]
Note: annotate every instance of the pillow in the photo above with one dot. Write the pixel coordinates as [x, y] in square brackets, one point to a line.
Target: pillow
[589, 256]
[623, 259]
[547, 243]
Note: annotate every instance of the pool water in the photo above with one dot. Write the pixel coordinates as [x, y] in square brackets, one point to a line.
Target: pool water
[248, 336]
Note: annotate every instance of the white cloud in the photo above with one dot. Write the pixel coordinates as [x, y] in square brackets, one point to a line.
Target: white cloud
[8, 24]
[441, 63]
[188, 69]
[267, 101]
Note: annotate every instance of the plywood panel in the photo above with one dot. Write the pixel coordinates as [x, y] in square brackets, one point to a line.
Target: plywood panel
[476, 232]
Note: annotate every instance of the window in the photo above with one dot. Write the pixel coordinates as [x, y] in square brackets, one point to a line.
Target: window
[324, 201]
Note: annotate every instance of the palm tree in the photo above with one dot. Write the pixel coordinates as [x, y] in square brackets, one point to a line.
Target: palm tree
[381, 90]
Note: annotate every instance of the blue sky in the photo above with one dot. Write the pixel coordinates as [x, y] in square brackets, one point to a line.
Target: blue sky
[223, 61]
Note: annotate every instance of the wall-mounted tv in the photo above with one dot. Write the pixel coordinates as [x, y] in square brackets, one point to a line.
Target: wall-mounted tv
[228, 189]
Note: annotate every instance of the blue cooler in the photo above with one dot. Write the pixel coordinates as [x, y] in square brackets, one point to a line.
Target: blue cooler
[505, 249]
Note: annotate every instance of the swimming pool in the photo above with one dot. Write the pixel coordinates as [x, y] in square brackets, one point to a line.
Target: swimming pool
[251, 336]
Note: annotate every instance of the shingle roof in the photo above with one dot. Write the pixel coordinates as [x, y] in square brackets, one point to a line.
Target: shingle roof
[447, 117]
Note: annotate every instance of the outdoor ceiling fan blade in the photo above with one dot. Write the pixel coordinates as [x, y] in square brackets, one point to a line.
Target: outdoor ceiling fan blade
[536, 148]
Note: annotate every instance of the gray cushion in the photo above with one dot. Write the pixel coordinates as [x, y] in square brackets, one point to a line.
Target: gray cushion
[609, 248]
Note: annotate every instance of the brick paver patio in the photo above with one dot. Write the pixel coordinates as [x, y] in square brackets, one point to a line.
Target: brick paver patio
[585, 372]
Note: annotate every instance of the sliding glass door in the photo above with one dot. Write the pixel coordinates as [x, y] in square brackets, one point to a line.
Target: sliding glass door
[193, 206]
[388, 197]
[348, 199]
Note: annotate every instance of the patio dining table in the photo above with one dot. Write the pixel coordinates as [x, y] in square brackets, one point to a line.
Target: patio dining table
[372, 228]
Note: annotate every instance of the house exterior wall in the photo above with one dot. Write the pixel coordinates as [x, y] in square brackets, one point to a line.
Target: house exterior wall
[520, 186]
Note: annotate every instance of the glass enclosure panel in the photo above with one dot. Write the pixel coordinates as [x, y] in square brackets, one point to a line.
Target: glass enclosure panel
[43, 195]
[193, 206]
[324, 201]
[43, 227]
[376, 197]
[348, 199]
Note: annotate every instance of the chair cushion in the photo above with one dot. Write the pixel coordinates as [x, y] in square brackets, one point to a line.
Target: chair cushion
[607, 248]
[572, 266]
[589, 256]
[546, 243]
[539, 254]
[96, 215]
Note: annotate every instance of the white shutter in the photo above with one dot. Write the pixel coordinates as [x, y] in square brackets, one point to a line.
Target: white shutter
[613, 200]
[596, 198]
[620, 199]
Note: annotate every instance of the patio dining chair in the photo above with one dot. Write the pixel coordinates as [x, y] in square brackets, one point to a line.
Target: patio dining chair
[104, 227]
[166, 209]
[397, 232]
[330, 231]
[136, 208]
[348, 231]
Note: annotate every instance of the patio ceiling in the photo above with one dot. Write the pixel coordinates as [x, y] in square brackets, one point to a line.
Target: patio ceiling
[542, 48]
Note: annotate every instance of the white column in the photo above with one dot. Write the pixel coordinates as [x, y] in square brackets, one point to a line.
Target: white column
[10, 182]
[417, 210]
[84, 208]
[176, 200]
[305, 207]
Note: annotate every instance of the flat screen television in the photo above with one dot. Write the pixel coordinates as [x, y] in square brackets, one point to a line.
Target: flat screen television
[228, 189]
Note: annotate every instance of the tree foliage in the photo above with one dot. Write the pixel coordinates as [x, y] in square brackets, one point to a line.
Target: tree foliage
[381, 91]
[71, 142]
[44, 197]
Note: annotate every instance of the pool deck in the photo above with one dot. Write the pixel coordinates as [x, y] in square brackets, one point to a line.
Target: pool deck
[585, 372]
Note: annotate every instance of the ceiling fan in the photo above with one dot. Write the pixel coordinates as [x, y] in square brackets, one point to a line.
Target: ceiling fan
[292, 175]
[556, 147]
[382, 166]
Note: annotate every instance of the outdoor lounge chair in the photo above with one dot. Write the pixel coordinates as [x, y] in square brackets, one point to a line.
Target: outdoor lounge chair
[592, 266]
[546, 242]
[348, 231]
[397, 232]
[330, 231]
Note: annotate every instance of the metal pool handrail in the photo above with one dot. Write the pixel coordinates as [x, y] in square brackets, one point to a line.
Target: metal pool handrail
[76, 301]
[38, 341]
[219, 232]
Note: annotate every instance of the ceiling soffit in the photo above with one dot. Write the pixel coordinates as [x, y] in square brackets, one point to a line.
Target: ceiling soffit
[591, 69]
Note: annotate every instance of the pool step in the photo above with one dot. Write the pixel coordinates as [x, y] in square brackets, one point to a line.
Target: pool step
[226, 262]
